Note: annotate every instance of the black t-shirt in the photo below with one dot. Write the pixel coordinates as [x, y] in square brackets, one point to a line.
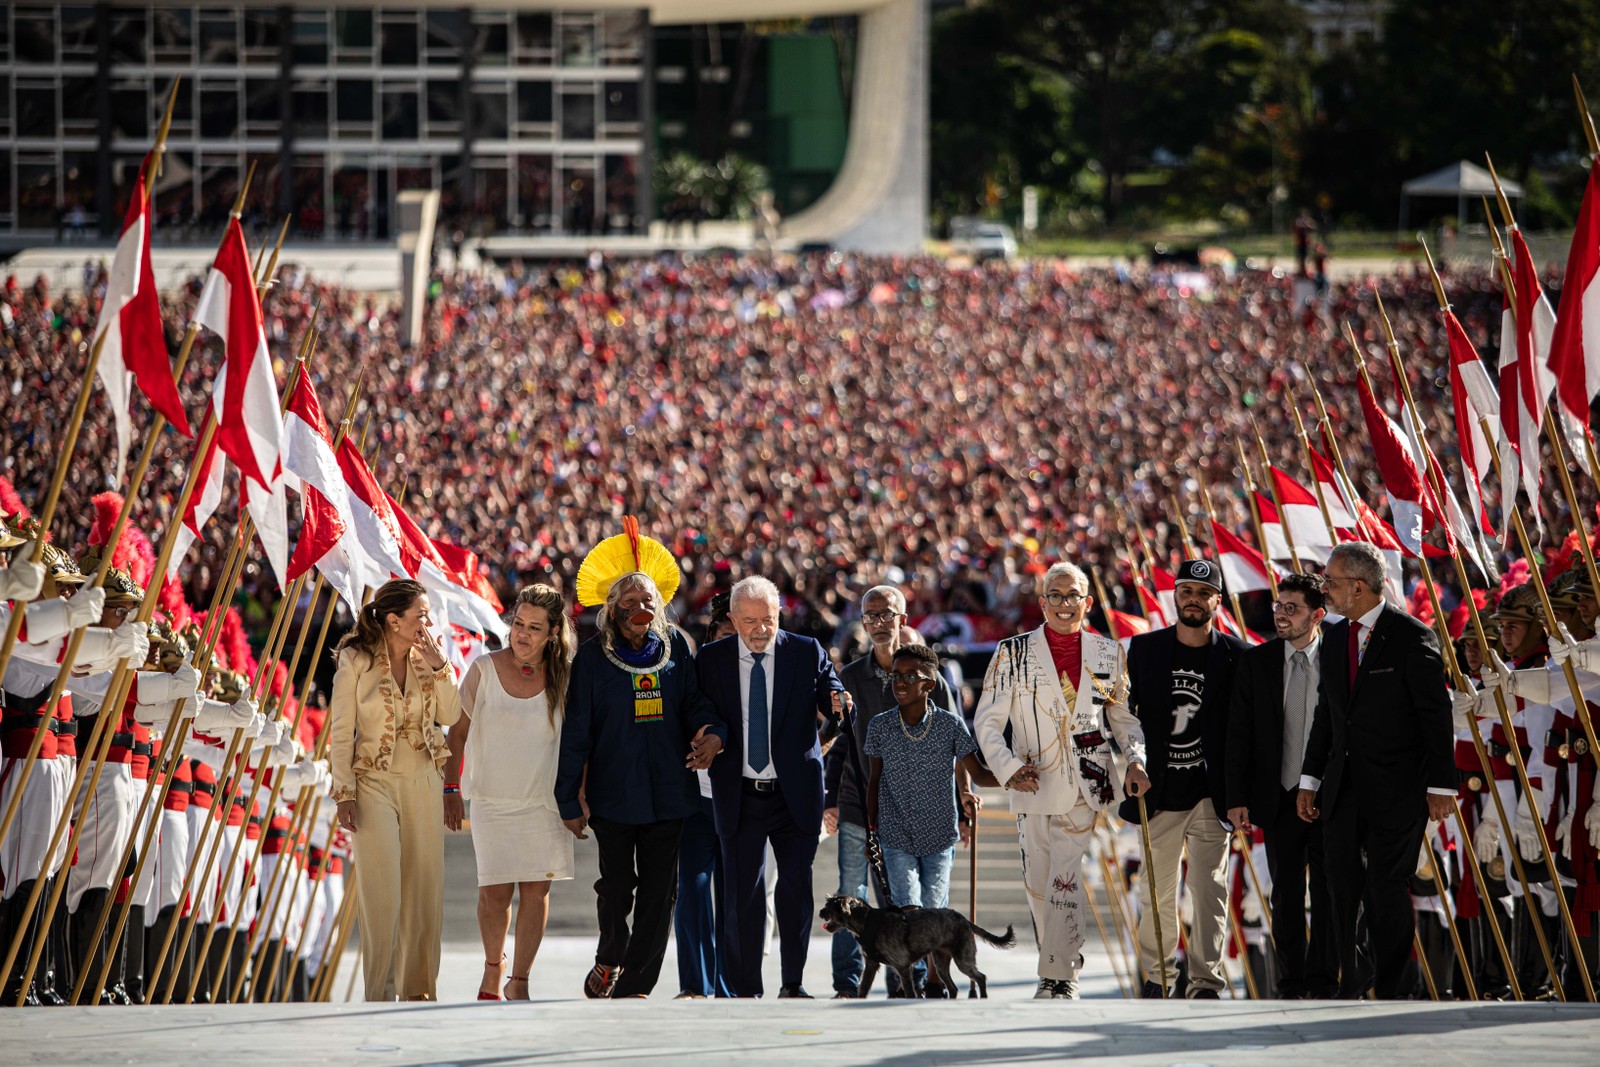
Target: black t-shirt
[1185, 784]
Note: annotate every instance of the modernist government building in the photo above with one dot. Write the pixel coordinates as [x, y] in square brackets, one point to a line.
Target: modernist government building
[529, 118]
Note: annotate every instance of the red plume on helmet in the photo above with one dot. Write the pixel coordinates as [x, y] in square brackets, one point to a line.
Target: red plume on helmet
[175, 604]
[237, 645]
[10, 502]
[1460, 616]
[1519, 573]
[1419, 606]
[132, 555]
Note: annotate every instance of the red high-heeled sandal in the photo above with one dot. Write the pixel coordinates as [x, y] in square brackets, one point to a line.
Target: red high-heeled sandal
[492, 996]
[513, 978]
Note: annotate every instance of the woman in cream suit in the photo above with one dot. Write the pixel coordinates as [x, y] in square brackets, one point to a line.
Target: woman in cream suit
[1062, 690]
[392, 693]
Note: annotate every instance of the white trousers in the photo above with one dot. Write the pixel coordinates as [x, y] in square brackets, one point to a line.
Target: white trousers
[1053, 847]
[43, 799]
[105, 824]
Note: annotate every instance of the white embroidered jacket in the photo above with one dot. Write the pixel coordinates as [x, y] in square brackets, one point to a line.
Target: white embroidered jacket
[1070, 746]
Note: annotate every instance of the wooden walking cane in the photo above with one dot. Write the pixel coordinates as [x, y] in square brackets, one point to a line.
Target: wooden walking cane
[47, 513]
[1552, 625]
[1150, 882]
[1448, 653]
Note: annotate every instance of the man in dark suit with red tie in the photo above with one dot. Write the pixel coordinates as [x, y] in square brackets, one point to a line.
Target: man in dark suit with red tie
[1379, 765]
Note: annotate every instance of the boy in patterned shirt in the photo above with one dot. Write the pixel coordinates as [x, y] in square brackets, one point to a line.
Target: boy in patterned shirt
[922, 758]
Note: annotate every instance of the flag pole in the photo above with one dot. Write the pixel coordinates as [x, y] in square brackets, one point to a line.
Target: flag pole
[1557, 445]
[1514, 753]
[316, 883]
[1450, 922]
[69, 443]
[1105, 605]
[1585, 118]
[1277, 500]
[1119, 906]
[1211, 517]
[1255, 517]
[1316, 483]
[14, 627]
[1510, 509]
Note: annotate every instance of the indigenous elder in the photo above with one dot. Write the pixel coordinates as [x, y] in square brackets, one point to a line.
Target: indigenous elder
[1060, 690]
[772, 689]
[636, 729]
[1181, 688]
[510, 734]
[391, 694]
[912, 795]
[883, 615]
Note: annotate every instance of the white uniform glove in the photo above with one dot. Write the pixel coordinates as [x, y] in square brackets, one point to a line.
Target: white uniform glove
[1563, 841]
[1535, 686]
[271, 733]
[1464, 706]
[22, 580]
[256, 727]
[86, 607]
[1494, 672]
[131, 641]
[1486, 838]
[324, 780]
[159, 687]
[1527, 835]
[216, 718]
[1591, 821]
[1564, 648]
[48, 620]
[284, 753]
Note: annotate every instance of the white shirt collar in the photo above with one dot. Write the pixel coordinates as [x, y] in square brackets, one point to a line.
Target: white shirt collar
[1370, 619]
[1310, 650]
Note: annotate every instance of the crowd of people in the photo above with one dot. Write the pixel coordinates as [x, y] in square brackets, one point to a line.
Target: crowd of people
[837, 452]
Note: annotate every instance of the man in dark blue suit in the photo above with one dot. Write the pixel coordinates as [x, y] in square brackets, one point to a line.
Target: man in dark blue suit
[773, 689]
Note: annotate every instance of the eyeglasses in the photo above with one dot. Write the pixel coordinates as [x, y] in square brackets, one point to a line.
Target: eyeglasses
[1070, 600]
[1288, 611]
[876, 617]
[908, 677]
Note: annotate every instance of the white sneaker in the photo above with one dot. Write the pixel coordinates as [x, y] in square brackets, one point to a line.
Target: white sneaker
[1046, 990]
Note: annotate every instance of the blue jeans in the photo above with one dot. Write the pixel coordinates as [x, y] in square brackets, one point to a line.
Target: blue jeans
[852, 882]
[923, 880]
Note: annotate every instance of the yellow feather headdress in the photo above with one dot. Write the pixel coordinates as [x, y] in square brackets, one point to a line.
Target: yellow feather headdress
[626, 553]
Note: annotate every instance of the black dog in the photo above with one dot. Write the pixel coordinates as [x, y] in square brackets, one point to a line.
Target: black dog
[899, 938]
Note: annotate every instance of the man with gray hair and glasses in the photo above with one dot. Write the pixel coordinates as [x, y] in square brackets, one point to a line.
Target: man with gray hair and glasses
[1063, 693]
[883, 613]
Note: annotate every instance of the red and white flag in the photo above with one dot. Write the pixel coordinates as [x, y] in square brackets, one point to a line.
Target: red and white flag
[1301, 511]
[1152, 607]
[1410, 502]
[1243, 568]
[1476, 402]
[1575, 345]
[134, 348]
[202, 503]
[1443, 507]
[1277, 544]
[1166, 584]
[245, 395]
[375, 527]
[1536, 328]
[466, 608]
[328, 539]
[1524, 389]
[1339, 497]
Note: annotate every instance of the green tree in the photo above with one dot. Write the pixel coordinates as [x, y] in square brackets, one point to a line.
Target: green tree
[1149, 78]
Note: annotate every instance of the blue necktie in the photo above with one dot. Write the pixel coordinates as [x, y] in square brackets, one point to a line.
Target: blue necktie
[759, 757]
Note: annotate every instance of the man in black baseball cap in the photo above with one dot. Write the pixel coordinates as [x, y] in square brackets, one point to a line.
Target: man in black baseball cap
[1180, 686]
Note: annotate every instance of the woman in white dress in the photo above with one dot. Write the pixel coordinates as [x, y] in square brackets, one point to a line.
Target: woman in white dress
[510, 734]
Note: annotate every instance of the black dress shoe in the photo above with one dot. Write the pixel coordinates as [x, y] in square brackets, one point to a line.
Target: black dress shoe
[1205, 994]
[793, 992]
[1151, 991]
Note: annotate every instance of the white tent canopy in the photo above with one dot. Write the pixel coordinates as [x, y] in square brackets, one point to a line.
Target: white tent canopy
[1461, 181]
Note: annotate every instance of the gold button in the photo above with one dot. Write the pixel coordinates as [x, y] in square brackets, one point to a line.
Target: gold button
[1475, 784]
[1563, 751]
[1581, 746]
[549, 874]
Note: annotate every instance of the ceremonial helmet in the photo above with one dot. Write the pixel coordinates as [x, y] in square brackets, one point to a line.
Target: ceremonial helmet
[121, 590]
[168, 649]
[60, 569]
[1521, 604]
[229, 687]
[9, 536]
